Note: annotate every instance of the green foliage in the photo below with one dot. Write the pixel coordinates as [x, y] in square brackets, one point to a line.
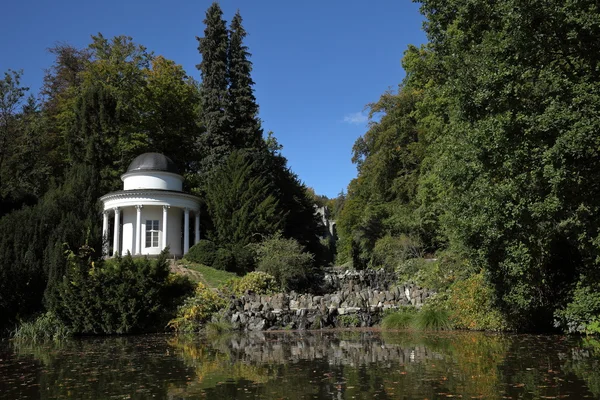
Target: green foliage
[224, 260]
[436, 274]
[402, 319]
[382, 200]
[45, 327]
[489, 149]
[470, 303]
[198, 310]
[432, 320]
[390, 252]
[427, 318]
[348, 321]
[593, 328]
[298, 217]
[240, 203]
[242, 107]
[122, 295]
[244, 259]
[12, 95]
[174, 292]
[101, 107]
[286, 261]
[217, 141]
[257, 282]
[204, 252]
[32, 243]
[266, 184]
[517, 158]
[582, 313]
[139, 98]
[171, 113]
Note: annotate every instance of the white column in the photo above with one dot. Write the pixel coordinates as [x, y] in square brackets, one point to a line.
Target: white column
[164, 227]
[117, 235]
[105, 233]
[186, 231]
[138, 230]
[197, 226]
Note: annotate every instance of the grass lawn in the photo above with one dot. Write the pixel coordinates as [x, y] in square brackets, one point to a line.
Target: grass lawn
[210, 276]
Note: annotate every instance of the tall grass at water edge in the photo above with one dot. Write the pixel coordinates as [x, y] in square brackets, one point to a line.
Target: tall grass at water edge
[428, 319]
[45, 327]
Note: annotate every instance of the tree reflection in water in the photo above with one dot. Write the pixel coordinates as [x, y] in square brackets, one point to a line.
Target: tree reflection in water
[298, 365]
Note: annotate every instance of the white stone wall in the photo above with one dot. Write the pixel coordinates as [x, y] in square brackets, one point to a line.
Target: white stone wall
[152, 180]
[128, 216]
[174, 230]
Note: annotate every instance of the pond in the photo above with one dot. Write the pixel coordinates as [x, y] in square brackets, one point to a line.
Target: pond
[305, 365]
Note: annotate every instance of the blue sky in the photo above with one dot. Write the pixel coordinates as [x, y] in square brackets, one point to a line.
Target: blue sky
[316, 63]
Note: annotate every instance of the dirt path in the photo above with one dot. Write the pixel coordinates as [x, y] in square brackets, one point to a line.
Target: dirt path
[190, 273]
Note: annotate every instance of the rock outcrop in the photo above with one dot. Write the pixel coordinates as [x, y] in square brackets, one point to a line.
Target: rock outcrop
[355, 298]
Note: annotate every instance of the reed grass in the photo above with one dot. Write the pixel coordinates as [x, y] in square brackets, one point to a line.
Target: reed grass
[402, 319]
[424, 320]
[45, 327]
[432, 320]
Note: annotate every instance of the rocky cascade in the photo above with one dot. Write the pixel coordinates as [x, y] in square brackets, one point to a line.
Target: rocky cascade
[359, 300]
[337, 279]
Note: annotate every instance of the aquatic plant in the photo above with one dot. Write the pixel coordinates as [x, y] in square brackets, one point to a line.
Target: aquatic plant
[348, 321]
[432, 319]
[45, 327]
[401, 319]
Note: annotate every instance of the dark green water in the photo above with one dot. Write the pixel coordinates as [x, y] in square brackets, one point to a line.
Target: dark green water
[307, 365]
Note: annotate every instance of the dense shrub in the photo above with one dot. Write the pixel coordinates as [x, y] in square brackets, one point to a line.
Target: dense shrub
[238, 258]
[390, 251]
[32, 242]
[416, 270]
[257, 282]
[470, 305]
[197, 310]
[243, 257]
[437, 274]
[224, 260]
[122, 295]
[286, 261]
[203, 252]
[582, 313]
[177, 289]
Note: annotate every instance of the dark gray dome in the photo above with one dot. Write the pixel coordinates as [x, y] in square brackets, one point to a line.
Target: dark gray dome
[153, 162]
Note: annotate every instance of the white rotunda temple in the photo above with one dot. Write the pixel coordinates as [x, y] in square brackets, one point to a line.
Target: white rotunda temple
[151, 210]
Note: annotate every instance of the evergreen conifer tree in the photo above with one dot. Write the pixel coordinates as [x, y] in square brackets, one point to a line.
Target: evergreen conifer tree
[242, 106]
[240, 202]
[216, 143]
